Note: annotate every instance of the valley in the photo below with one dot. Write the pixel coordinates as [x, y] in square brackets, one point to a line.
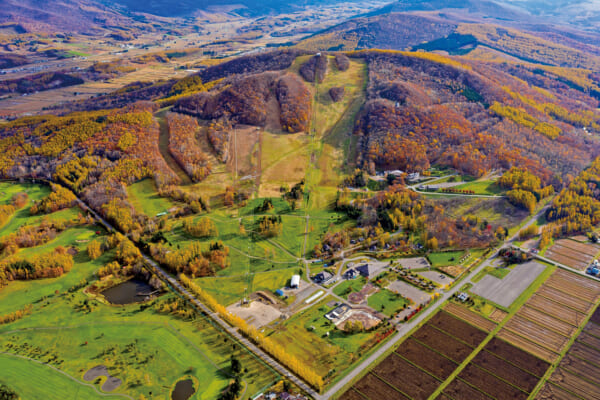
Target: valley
[298, 202]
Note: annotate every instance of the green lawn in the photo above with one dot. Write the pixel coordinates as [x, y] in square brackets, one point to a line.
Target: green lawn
[487, 187]
[324, 354]
[445, 258]
[36, 381]
[350, 286]
[499, 273]
[144, 197]
[227, 290]
[386, 301]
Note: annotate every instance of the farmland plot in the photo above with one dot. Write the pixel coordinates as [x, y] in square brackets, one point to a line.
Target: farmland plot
[426, 358]
[458, 329]
[518, 357]
[442, 343]
[395, 370]
[470, 317]
[491, 385]
[459, 390]
[503, 369]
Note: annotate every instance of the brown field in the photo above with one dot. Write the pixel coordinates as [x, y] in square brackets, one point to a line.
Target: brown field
[565, 299]
[498, 315]
[443, 397]
[352, 395]
[584, 248]
[459, 390]
[442, 343]
[585, 353]
[579, 265]
[394, 370]
[537, 333]
[452, 270]
[426, 358]
[575, 384]
[552, 392]
[582, 368]
[518, 357]
[558, 310]
[528, 346]
[374, 388]
[546, 320]
[593, 329]
[471, 317]
[490, 384]
[502, 369]
[575, 285]
[457, 328]
[595, 318]
[589, 340]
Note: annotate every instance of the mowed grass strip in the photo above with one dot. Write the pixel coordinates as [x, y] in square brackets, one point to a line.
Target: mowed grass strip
[144, 197]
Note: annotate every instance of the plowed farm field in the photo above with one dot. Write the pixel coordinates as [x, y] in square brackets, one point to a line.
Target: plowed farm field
[579, 371]
[558, 310]
[507, 371]
[490, 384]
[422, 362]
[458, 329]
[473, 318]
[432, 362]
[573, 254]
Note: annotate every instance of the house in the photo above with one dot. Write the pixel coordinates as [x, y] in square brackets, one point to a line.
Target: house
[365, 270]
[295, 282]
[414, 176]
[338, 312]
[323, 276]
[463, 297]
[350, 274]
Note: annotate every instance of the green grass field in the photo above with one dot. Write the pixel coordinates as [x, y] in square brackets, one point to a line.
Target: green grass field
[386, 301]
[487, 187]
[349, 286]
[149, 351]
[326, 355]
[228, 290]
[144, 197]
[445, 258]
[32, 380]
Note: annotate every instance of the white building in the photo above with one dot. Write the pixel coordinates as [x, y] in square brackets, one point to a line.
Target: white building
[295, 282]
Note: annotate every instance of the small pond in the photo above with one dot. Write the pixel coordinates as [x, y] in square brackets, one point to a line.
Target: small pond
[131, 291]
[183, 390]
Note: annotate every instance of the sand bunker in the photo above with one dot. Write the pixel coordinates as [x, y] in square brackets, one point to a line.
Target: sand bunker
[111, 382]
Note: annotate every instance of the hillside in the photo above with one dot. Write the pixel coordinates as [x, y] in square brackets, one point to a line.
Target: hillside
[64, 16]
[470, 116]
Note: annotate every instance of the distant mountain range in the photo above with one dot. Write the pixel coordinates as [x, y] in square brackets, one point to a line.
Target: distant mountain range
[92, 15]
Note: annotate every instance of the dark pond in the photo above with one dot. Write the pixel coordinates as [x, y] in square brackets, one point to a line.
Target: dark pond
[183, 390]
[131, 291]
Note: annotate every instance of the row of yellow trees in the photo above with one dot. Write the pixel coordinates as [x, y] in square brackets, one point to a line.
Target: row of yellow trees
[267, 344]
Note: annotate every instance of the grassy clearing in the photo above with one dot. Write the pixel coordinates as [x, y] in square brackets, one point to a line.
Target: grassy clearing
[350, 286]
[283, 161]
[486, 187]
[228, 290]
[445, 258]
[144, 197]
[499, 273]
[387, 302]
[326, 355]
[36, 381]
